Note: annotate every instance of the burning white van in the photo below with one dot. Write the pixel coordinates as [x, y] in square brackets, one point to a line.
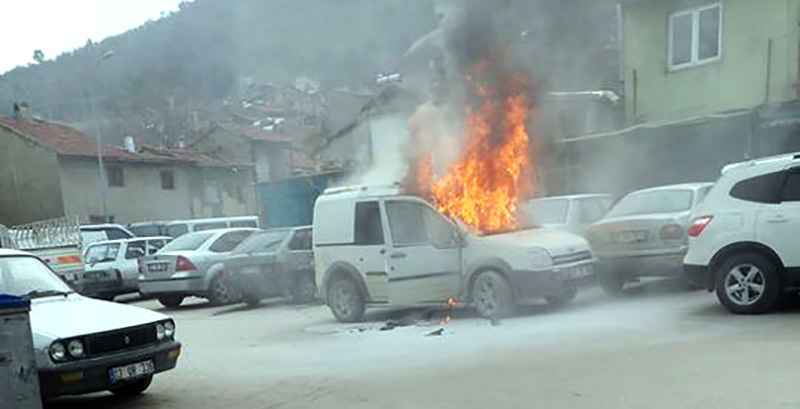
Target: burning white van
[374, 246]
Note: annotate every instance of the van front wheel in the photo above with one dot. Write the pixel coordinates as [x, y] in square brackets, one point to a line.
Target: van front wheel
[345, 300]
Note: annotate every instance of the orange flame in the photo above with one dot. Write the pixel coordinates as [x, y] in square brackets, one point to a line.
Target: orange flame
[483, 187]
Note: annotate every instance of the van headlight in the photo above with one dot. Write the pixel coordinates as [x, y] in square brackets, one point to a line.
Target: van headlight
[75, 348]
[58, 352]
[539, 258]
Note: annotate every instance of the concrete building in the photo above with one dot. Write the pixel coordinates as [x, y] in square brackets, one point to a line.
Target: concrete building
[50, 170]
[685, 58]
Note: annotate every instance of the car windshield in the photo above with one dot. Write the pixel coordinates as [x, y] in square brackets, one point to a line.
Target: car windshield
[656, 201]
[187, 242]
[262, 242]
[548, 211]
[27, 276]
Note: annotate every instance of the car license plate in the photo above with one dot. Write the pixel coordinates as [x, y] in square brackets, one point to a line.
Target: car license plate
[579, 272]
[157, 267]
[132, 371]
[634, 236]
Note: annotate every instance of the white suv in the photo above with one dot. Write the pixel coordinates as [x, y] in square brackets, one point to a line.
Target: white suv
[377, 247]
[744, 236]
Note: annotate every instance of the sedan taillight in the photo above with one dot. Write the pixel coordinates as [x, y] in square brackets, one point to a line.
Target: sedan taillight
[671, 232]
[183, 264]
[698, 225]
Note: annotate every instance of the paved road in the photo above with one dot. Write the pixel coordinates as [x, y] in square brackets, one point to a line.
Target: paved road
[659, 347]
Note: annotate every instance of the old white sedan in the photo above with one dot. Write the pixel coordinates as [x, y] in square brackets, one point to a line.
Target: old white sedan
[83, 345]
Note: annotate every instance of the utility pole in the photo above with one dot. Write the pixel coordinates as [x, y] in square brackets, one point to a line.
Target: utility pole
[102, 185]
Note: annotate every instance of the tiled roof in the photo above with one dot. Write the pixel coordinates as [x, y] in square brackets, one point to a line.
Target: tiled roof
[67, 141]
[63, 139]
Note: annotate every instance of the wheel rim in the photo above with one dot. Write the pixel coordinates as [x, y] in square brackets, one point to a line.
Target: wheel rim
[221, 292]
[486, 295]
[343, 300]
[745, 284]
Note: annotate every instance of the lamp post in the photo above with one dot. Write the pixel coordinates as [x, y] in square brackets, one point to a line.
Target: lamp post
[102, 185]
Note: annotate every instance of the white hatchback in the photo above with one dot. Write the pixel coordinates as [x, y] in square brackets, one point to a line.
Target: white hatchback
[743, 237]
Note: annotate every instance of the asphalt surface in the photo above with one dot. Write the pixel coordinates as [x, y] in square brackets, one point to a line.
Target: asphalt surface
[660, 346]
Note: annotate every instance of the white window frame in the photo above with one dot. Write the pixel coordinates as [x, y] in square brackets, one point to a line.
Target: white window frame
[694, 60]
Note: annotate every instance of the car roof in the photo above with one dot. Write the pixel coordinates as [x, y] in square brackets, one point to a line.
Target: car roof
[103, 226]
[575, 196]
[772, 162]
[361, 191]
[212, 220]
[97, 243]
[684, 186]
[12, 252]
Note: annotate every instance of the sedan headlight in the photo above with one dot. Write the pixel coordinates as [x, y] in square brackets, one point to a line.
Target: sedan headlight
[57, 352]
[75, 348]
[160, 331]
[169, 329]
[539, 258]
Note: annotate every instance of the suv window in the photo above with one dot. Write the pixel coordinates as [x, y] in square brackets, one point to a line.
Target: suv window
[368, 228]
[791, 188]
[301, 240]
[760, 189]
[591, 210]
[407, 223]
[229, 241]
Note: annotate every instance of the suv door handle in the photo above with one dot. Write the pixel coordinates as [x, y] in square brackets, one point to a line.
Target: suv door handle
[398, 255]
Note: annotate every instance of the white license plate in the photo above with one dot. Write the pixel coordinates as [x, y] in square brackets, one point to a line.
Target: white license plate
[631, 236]
[132, 371]
[578, 272]
[157, 267]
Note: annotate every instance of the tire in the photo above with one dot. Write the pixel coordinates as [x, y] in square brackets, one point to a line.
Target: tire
[492, 296]
[346, 300]
[133, 388]
[304, 290]
[611, 280]
[171, 301]
[220, 291]
[565, 297]
[748, 283]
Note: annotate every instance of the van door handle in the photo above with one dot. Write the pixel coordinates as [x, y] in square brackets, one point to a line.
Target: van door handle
[778, 219]
[398, 255]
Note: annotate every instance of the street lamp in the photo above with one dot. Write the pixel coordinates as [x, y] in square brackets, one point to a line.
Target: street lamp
[102, 185]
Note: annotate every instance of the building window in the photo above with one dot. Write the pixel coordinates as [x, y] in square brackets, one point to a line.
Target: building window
[695, 36]
[116, 177]
[167, 180]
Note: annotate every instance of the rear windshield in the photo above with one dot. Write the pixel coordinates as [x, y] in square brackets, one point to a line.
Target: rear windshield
[658, 201]
[548, 211]
[266, 241]
[187, 242]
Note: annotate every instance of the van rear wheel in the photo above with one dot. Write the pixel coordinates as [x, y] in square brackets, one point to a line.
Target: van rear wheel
[345, 300]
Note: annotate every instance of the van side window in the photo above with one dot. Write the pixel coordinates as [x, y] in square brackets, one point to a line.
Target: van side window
[244, 223]
[368, 227]
[407, 223]
[135, 249]
[759, 189]
[177, 230]
[791, 188]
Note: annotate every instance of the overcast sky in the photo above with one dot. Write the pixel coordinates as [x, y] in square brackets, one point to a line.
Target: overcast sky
[57, 26]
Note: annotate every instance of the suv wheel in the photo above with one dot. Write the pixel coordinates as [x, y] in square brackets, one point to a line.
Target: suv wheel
[492, 296]
[345, 300]
[305, 289]
[171, 301]
[748, 284]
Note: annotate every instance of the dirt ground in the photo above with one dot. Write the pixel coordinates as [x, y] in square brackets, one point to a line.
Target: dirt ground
[660, 346]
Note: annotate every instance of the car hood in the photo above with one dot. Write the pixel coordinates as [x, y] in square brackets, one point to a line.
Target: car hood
[64, 317]
[555, 241]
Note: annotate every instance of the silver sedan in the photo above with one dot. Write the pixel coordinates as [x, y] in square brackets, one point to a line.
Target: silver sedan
[644, 234]
[192, 264]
